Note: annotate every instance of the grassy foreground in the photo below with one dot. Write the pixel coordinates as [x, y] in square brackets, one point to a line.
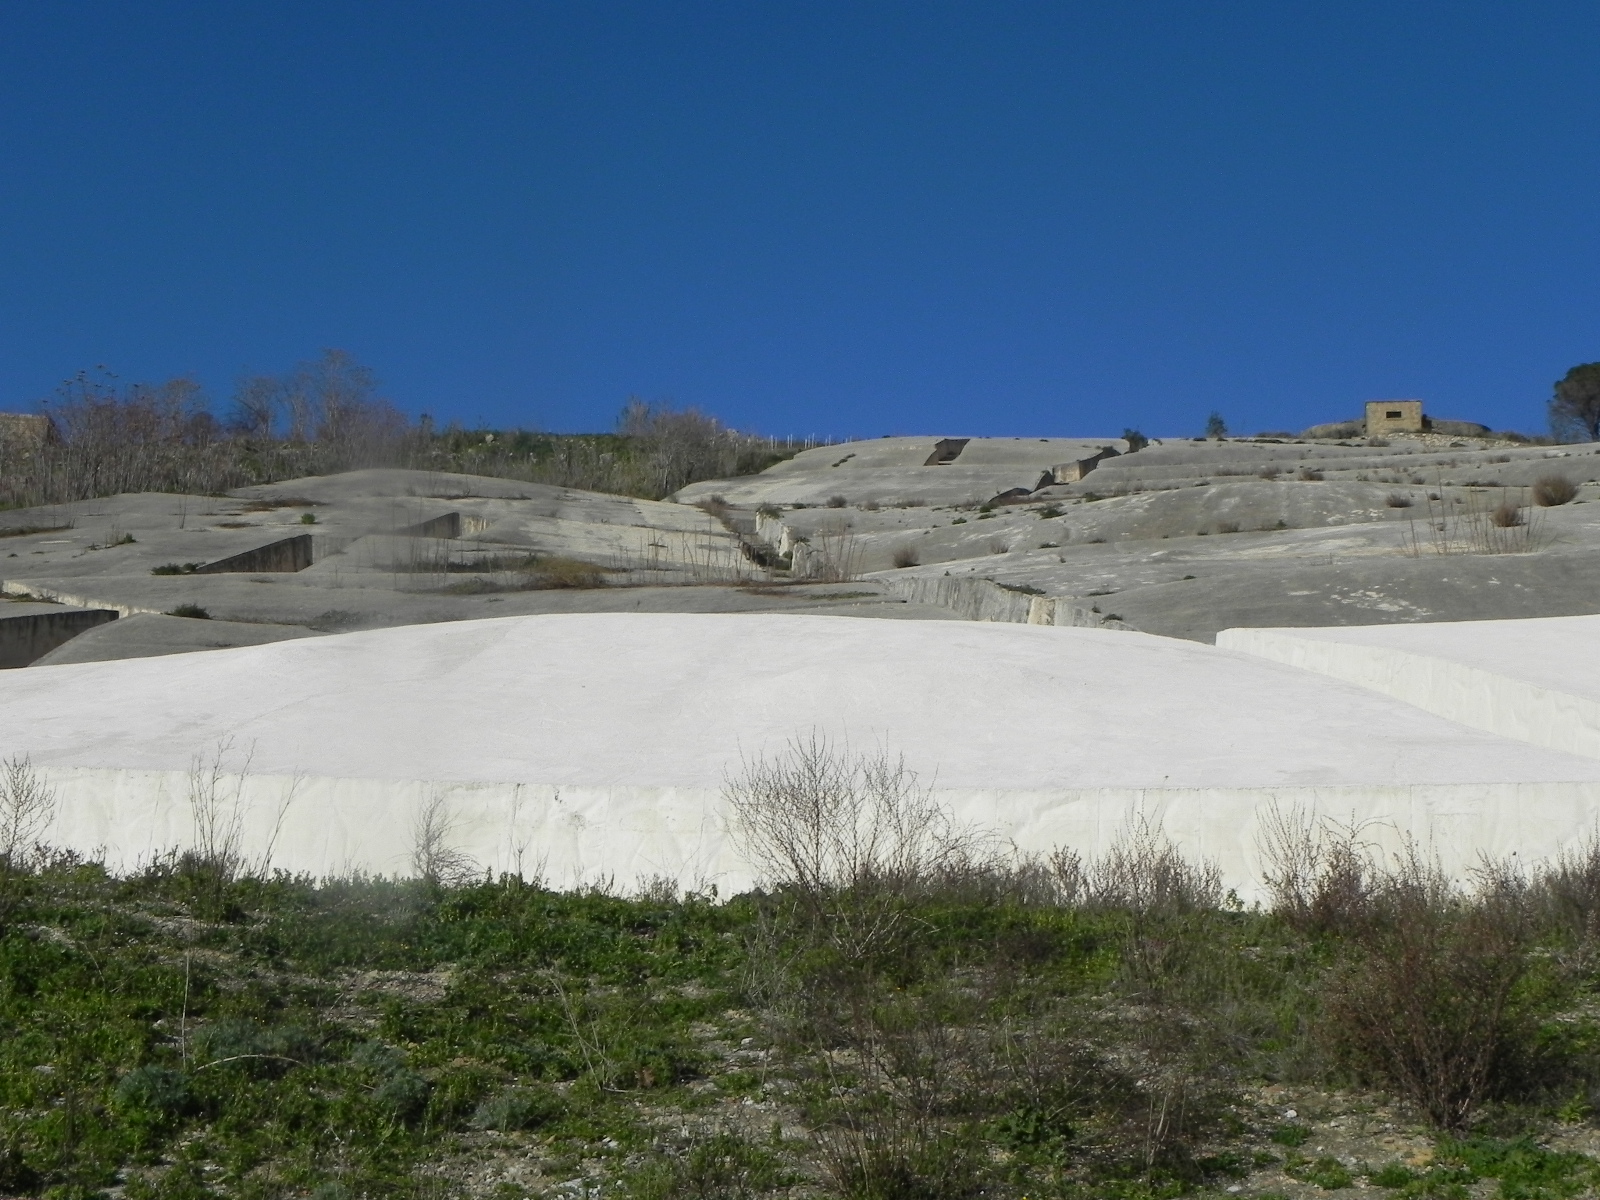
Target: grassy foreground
[1035, 1030]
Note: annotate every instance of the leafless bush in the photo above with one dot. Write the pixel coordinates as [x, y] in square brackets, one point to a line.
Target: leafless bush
[1398, 500]
[434, 857]
[716, 507]
[1474, 524]
[1565, 894]
[1549, 491]
[217, 813]
[675, 448]
[113, 437]
[837, 502]
[27, 808]
[1423, 998]
[1317, 872]
[1507, 515]
[906, 556]
[831, 556]
[823, 820]
[1142, 872]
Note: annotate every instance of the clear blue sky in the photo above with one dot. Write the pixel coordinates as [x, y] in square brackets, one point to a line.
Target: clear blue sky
[851, 218]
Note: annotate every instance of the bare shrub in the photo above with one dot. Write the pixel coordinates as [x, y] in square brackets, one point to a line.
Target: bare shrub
[434, 857]
[1507, 515]
[1549, 491]
[675, 448]
[1475, 524]
[832, 556]
[906, 556]
[217, 814]
[1309, 475]
[1318, 873]
[27, 809]
[1398, 500]
[1142, 872]
[1423, 996]
[837, 502]
[1565, 894]
[822, 820]
[895, 1156]
[716, 506]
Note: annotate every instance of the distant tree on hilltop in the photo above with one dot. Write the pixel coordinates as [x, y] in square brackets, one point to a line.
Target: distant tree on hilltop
[1575, 408]
[1216, 427]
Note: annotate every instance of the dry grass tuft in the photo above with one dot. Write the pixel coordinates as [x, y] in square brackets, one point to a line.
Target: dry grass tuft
[1550, 491]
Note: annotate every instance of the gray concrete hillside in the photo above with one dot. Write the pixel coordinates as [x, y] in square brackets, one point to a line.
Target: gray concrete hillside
[895, 470]
[381, 548]
[1181, 538]
[1186, 538]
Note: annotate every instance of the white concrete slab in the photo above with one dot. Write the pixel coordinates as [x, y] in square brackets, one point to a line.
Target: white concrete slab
[1537, 680]
[597, 744]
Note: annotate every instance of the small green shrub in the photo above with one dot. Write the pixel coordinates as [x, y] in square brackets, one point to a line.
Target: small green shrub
[189, 610]
[308, 518]
[1392, 1175]
[517, 1108]
[1325, 1172]
[175, 569]
[1290, 1135]
[160, 1091]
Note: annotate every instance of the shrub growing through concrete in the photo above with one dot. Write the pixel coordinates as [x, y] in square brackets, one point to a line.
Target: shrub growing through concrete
[1507, 515]
[1549, 491]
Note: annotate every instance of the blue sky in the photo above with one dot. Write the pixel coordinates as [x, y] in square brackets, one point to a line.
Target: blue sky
[848, 219]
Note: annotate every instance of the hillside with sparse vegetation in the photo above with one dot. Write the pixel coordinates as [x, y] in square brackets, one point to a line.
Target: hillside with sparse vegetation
[905, 1012]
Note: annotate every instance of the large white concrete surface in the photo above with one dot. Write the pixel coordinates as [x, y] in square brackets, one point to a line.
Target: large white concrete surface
[1537, 680]
[590, 745]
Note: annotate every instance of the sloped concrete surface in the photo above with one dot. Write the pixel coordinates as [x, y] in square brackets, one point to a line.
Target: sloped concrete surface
[598, 744]
[893, 470]
[1534, 680]
[148, 635]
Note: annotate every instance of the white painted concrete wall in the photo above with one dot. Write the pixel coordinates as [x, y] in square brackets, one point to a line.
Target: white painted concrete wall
[1537, 681]
[579, 835]
[578, 747]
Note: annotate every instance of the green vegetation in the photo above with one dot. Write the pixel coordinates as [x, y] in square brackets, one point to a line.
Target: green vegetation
[911, 1014]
